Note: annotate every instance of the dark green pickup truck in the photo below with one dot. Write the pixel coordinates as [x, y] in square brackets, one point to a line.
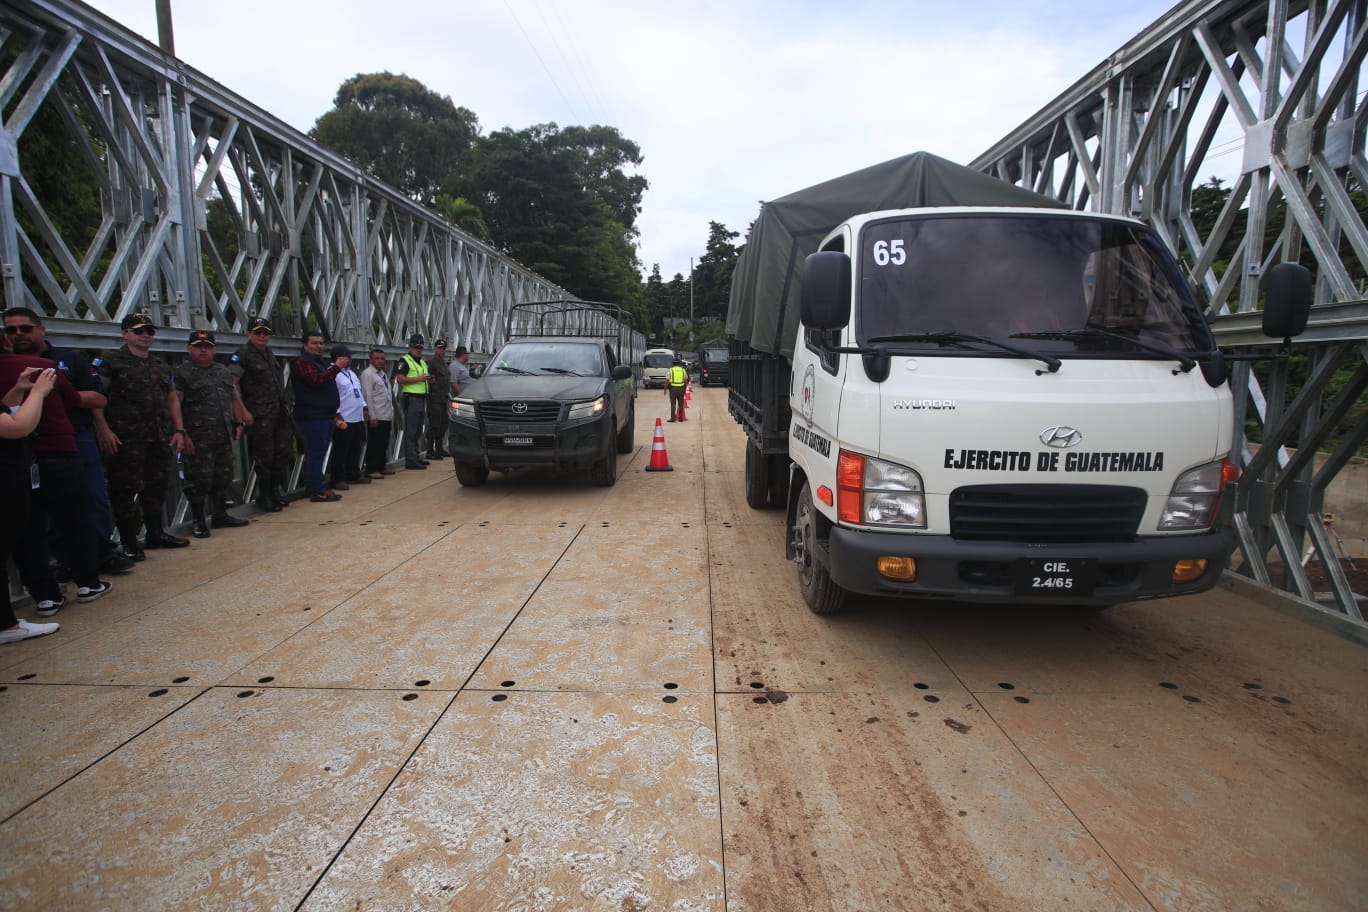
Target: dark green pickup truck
[556, 394]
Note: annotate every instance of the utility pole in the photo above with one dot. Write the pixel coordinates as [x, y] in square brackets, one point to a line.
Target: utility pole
[691, 323]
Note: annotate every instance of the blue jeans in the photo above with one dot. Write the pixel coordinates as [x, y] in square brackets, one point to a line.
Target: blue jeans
[317, 434]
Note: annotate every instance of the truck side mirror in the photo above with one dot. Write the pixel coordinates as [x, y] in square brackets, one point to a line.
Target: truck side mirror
[1288, 303]
[622, 372]
[826, 290]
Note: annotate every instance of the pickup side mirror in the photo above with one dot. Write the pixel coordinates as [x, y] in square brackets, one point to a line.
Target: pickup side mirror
[622, 372]
[1288, 303]
[826, 290]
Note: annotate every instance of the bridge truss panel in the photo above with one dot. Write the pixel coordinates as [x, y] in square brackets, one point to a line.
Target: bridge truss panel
[1266, 96]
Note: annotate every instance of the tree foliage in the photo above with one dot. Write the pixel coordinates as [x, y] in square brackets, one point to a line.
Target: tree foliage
[398, 130]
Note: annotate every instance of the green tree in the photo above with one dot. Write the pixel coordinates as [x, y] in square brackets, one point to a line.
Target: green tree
[464, 214]
[712, 276]
[398, 130]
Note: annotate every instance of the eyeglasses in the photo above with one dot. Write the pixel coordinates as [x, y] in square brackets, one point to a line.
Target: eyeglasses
[144, 330]
[24, 328]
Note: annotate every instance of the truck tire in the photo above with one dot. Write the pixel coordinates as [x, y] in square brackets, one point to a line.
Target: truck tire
[471, 475]
[819, 592]
[757, 477]
[625, 437]
[603, 473]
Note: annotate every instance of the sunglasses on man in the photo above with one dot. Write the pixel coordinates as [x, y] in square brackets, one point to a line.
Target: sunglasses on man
[144, 330]
[25, 328]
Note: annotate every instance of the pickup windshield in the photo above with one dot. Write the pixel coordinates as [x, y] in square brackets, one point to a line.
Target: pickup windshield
[581, 358]
[1031, 276]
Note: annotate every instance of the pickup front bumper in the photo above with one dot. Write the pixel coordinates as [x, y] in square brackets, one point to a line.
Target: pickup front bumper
[501, 445]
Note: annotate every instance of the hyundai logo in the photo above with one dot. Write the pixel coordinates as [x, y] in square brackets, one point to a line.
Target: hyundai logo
[519, 408]
[1061, 437]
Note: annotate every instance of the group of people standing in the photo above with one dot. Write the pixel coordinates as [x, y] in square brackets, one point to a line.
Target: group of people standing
[86, 448]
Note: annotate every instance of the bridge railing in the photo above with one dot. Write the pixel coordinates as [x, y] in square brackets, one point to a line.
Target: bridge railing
[1265, 95]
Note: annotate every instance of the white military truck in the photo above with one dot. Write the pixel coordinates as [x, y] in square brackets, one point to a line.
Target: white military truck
[959, 390]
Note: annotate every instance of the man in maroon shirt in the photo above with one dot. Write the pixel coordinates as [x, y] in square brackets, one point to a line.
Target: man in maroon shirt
[59, 496]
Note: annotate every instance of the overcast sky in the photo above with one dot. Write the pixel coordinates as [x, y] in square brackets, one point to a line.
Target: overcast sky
[731, 102]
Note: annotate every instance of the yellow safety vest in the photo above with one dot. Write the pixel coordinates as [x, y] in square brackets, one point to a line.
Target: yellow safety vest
[415, 369]
[678, 376]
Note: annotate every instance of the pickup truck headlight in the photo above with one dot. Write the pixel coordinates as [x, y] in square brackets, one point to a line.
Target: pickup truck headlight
[872, 492]
[1196, 495]
[463, 409]
[582, 410]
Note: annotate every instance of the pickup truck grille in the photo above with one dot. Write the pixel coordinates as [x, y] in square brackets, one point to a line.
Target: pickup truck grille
[1046, 513]
[520, 411]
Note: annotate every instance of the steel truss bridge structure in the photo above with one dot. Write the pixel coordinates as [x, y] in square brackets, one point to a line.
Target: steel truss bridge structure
[1275, 86]
[212, 212]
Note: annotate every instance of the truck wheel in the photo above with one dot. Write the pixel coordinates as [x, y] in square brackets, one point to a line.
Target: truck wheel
[471, 475]
[625, 437]
[757, 477]
[778, 481]
[604, 472]
[821, 594]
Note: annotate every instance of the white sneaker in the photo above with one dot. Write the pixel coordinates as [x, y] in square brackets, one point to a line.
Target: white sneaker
[49, 607]
[27, 630]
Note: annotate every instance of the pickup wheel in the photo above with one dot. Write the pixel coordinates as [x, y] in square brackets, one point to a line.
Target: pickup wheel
[821, 594]
[626, 436]
[471, 475]
[757, 477]
[604, 472]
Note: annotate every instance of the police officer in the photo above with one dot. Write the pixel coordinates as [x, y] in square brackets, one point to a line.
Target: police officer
[214, 418]
[438, 400]
[142, 416]
[412, 377]
[266, 414]
[677, 380]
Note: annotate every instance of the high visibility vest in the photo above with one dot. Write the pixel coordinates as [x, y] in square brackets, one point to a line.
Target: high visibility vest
[678, 376]
[416, 368]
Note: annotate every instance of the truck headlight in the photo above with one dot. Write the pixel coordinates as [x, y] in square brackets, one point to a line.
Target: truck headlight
[582, 410]
[463, 409]
[872, 492]
[1196, 496]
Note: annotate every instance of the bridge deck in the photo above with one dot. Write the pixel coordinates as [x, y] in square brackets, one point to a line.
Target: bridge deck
[544, 695]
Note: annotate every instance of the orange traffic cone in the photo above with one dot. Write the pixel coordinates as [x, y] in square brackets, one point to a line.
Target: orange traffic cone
[660, 460]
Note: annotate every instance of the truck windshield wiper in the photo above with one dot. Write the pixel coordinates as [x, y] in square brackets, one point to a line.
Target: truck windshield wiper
[951, 337]
[1097, 332]
[515, 370]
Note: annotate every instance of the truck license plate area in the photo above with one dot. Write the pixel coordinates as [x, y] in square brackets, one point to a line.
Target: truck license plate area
[517, 441]
[1054, 577]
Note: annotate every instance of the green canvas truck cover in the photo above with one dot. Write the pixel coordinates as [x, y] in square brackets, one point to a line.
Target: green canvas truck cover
[764, 303]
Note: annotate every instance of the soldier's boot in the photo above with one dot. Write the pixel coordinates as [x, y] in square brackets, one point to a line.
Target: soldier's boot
[278, 492]
[266, 495]
[200, 527]
[225, 520]
[157, 537]
[128, 542]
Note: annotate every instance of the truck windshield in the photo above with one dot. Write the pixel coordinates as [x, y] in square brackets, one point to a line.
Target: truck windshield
[550, 357]
[1033, 277]
[715, 355]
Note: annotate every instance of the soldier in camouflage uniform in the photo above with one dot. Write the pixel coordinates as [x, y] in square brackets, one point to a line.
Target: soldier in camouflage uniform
[270, 430]
[213, 416]
[438, 400]
[143, 414]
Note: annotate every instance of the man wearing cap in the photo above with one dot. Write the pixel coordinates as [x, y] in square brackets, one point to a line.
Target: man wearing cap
[412, 377]
[270, 430]
[143, 414]
[438, 401]
[460, 371]
[350, 431]
[375, 389]
[213, 418]
[315, 411]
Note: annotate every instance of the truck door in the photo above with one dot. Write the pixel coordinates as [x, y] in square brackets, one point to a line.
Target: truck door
[818, 381]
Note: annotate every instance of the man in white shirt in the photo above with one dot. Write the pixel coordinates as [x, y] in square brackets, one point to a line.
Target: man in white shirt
[349, 428]
[379, 399]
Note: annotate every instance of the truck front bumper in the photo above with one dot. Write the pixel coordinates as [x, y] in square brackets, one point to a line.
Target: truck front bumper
[574, 446]
[1098, 573]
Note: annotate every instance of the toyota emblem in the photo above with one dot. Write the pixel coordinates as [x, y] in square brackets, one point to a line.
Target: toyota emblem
[1061, 437]
[520, 408]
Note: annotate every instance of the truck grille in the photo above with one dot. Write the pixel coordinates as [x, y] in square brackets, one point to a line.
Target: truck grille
[520, 411]
[1046, 513]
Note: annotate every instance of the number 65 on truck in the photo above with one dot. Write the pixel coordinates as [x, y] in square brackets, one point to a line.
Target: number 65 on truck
[959, 389]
